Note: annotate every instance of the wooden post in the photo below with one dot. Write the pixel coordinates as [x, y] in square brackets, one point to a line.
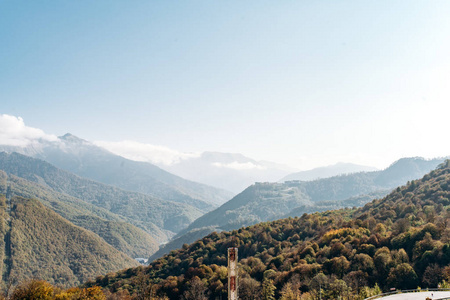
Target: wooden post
[233, 274]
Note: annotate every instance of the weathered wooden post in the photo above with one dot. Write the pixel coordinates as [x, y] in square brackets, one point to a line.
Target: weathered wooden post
[233, 274]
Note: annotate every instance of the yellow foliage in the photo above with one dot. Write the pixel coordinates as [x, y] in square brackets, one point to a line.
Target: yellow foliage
[343, 232]
[92, 293]
[42, 290]
[33, 290]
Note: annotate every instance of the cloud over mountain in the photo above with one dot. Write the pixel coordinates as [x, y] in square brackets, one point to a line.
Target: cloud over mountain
[239, 166]
[145, 152]
[14, 132]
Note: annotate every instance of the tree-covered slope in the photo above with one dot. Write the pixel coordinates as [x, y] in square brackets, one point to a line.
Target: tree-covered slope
[259, 202]
[112, 228]
[401, 241]
[40, 243]
[319, 206]
[269, 201]
[138, 209]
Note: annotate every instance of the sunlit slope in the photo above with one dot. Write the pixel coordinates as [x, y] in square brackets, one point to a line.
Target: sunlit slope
[40, 243]
[112, 228]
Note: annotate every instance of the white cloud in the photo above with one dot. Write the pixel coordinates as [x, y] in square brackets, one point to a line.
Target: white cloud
[145, 152]
[239, 166]
[14, 132]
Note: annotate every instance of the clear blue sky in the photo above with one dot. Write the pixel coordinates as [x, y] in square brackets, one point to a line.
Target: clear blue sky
[305, 83]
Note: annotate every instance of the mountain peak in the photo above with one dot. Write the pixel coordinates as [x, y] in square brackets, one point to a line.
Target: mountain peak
[72, 138]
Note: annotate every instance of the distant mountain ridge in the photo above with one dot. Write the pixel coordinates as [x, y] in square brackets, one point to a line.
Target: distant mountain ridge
[269, 201]
[328, 171]
[85, 159]
[230, 171]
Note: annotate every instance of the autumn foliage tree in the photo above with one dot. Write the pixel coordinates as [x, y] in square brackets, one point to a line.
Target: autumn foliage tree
[41, 290]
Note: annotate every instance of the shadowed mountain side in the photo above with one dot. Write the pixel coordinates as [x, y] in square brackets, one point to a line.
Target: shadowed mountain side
[138, 209]
[259, 202]
[42, 243]
[123, 236]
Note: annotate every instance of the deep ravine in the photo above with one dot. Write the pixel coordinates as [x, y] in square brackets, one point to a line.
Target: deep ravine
[7, 258]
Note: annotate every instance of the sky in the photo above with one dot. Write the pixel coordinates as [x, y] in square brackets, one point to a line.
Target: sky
[302, 83]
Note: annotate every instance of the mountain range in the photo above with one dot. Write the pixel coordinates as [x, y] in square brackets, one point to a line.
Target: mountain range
[130, 207]
[87, 160]
[229, 171]
[328, 171]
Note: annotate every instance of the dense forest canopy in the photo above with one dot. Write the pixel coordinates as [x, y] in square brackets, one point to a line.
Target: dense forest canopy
[38, 243]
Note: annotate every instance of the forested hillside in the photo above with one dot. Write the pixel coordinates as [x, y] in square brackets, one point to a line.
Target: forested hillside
[37, 242]
[401, 241]
[112, 228]
[141, 210]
